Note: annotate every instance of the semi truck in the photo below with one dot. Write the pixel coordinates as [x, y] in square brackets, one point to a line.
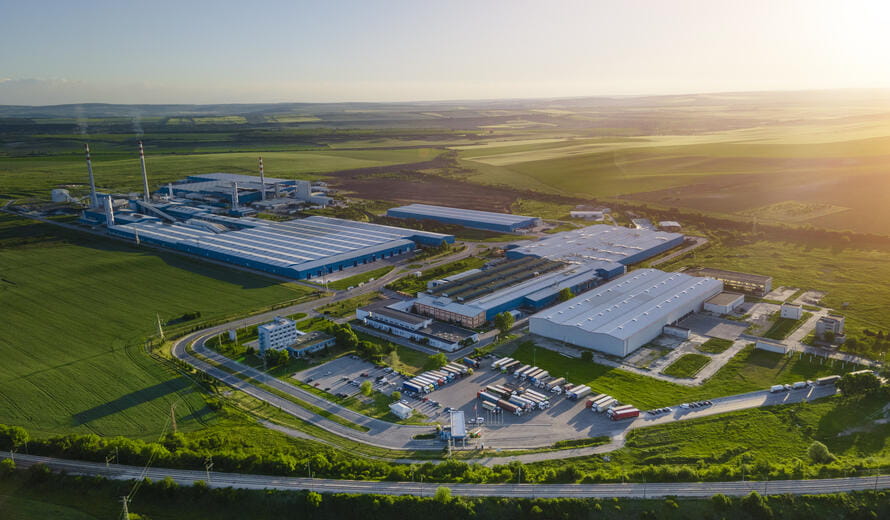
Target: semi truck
[532, 374]
[487, 396]
[827, 380]
[501, 362]
[554, 383]
[604, 404]
[620, 408]
[521, 370]
[627, 413]
[408, 386]
[490, 406]
[578, 392]
[511, 366]
[593, 400]
[470, 362]
[510, 407]
[539, 378]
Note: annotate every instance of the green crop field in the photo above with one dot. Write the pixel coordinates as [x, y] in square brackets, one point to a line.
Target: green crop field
[748, 371]
[855, 277]
[687, 365]
[76, 309]
[36, 176]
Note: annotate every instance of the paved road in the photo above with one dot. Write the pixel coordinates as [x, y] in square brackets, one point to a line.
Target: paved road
[698, 242]
[655, 490]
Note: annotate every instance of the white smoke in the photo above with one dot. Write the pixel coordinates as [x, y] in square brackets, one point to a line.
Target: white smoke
[82, 122]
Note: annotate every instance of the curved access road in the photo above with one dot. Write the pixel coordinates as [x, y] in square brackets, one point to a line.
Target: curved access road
[630, 490]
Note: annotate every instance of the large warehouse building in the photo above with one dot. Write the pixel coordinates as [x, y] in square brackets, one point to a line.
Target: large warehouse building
[599, 243]
[621, 316]
[304, 248]
[500, 222]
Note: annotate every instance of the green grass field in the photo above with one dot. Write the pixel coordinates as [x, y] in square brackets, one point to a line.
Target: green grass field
[783, 327]
[715, 345]
[36, 176]
[687, 365]
[853, 276]
[748, 371]
[343, 308]
[76, 311]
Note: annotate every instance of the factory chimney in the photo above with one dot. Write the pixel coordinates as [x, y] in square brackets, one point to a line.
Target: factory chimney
[234, 195]
[169, 190]
[94, 200]
[262, 181]
[109, 211]
[146, 195]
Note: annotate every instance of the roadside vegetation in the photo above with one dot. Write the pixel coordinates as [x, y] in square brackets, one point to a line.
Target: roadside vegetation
[344, 308]
[36, 493]
[355, 281]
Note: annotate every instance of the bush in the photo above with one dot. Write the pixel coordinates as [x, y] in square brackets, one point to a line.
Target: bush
[7, 466]
[367, 388]
[396, 396]
[587, 356]
[819, 453]
[443, 495]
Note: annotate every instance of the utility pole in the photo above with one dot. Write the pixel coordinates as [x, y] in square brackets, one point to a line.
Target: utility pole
[309, 468]
[125, 511]
[208, 465]
[421, 486]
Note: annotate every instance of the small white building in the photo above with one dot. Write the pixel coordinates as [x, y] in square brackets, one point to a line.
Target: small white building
[278, 334]
[401, 410]
[771, 346]
[833, 323]
[724, 303]
[669, 225]
[790, 311]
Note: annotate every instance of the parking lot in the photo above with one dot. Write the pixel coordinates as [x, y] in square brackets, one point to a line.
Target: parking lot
[712, 326]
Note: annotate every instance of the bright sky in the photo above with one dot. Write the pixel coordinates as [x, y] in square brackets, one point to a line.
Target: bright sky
[226, 51]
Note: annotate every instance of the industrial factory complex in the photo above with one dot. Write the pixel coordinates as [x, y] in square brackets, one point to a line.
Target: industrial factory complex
[500, 222]
[625, 314]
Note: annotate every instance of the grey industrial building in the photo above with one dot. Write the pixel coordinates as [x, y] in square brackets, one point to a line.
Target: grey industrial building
[621, 316]
[599, 243]
[487, 220]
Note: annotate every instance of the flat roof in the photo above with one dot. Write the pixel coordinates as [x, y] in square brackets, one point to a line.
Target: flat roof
[730, 275]
[301, 244]
[235, 177]
[629, 304]
[382, 308]
[725, 298]
[310, 339]
[458, 424]
[600, 243]
[488, 217]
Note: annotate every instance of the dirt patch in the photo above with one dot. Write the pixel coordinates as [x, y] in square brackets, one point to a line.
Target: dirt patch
[406, 184]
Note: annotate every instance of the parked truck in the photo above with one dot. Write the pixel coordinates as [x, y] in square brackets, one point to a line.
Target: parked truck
[627, 413]
[578, 392]
[487, 396]
[616, 408]
[510, 407]
[511, 366]
[490, 406]
[777, 388]
[470, 362]
[533, 373]
[827, 380]
[408, 386]
[554, 383]
[519, 371]
[604, 404]
[501, 362]
[539, 378]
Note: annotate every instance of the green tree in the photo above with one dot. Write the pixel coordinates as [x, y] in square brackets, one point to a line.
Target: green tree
[7, 466]
[819, 453]
[366, 387]
[565, 294]
[435, 361]
[396, 396]
[504, 322]
[587, 356]
[443, 495]
[393, 359]
[858, 384]
[313, 499]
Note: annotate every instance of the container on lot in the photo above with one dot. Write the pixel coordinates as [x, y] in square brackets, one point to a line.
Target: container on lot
[470, 362]
[524, 403]
[532, 393]
[495, 390]
[625, 414]
[556, 382]
[510, 407]
[490, 406]
[457, 368]
[532, 374]
[427, 381]
[856, 373]
[592, 401]
[540, 377]
[604, 404]
[798, 385]
[451, 371]
[827, 380]
[777, 388]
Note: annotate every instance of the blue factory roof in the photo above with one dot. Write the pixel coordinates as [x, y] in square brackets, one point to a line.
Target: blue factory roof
[425, 211]
[599, 243]
[301, 245]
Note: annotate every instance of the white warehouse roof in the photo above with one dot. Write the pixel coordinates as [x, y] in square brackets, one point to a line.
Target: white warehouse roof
[630, 304]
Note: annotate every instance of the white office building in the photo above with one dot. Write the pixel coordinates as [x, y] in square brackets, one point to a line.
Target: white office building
[278, 334]
[621, 316]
